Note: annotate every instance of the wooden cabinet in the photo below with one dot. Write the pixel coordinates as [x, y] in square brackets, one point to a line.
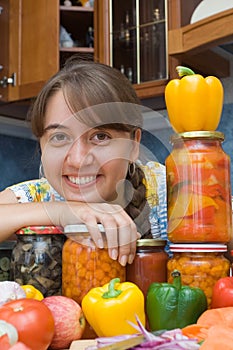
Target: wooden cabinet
[30, 50]
[30, 47]
[29, 40]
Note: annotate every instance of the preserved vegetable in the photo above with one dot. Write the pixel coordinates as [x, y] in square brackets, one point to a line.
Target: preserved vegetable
[149, 265]
[200, 265]
[37, 258]
[85, 266]
[199, 189]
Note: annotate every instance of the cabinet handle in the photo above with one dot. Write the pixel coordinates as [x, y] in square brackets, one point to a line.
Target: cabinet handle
[8, 81]
[1, 9]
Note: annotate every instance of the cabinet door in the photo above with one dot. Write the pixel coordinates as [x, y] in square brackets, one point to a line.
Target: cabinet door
[29, 46]
[132, 36]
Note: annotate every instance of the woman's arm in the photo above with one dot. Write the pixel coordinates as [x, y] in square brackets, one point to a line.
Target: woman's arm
[120, 229]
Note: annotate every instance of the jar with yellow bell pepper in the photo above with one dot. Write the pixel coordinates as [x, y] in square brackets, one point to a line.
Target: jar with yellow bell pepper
[200, 265]
[85, 266]
[199, 189]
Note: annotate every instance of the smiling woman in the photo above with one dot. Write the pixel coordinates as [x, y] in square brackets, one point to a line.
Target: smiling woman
[88, 121]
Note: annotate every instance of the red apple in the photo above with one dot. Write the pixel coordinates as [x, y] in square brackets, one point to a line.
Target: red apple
[69, 320]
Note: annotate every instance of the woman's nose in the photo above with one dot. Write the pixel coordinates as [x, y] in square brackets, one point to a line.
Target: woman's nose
[80, 154]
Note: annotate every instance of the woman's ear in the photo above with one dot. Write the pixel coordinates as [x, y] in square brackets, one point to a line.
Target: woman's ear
[138, 135]
[136, 145]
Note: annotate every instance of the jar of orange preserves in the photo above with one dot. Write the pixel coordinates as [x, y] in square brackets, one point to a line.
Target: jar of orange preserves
[149, 265]
[200, 265]
[85, 266]
[199, 189]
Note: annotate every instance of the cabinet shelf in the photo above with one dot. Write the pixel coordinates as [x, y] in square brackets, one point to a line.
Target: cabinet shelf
[77, 20]
[77, 49]
[76, 8]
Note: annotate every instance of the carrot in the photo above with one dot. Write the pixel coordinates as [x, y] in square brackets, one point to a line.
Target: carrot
[220, 316]
[196, 331]
[219, 337]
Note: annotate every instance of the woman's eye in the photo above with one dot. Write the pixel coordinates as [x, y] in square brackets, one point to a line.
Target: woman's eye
[60, 138]
[101, 137]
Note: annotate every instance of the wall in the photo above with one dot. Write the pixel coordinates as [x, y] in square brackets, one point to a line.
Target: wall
[19, 160]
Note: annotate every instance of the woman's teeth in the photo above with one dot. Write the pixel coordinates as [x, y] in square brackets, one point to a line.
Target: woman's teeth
[81, 180]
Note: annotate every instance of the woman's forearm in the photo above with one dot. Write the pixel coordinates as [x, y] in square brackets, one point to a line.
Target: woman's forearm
[18, 215]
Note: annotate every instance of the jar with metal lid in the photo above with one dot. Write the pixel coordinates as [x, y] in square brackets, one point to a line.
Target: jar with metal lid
[84, 265]
[149, 265]
[37, 258]
[199, 189]
[200, 265]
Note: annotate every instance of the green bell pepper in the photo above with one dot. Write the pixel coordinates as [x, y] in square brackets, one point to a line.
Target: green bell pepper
[170, 306]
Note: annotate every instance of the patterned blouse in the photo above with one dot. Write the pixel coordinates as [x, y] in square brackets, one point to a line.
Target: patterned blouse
[41, 191]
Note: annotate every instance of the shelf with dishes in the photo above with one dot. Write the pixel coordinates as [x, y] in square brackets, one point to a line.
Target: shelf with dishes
[76, 30]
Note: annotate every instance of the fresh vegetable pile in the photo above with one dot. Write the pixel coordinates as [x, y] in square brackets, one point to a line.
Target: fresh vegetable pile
[177, 317]
[28, 321]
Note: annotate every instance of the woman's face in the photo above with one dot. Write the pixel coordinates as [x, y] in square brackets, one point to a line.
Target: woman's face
[84, 164]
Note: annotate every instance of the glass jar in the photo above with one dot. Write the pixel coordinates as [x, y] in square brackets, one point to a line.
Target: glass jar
[200, 265]
[149, 265]
[5, 259]
[199, 189]
[37, 258]
[85, 266]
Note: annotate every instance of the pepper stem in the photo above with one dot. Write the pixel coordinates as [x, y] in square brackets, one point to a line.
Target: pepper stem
[182, 71]
[112, 292]
[176, 279]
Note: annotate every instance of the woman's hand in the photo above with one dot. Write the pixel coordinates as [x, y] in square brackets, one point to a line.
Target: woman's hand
[121, 232]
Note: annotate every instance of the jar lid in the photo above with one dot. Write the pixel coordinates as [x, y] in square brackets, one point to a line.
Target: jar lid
[198, 247]
[198, 135]
[40, 230]
[152, 242]
[81, 228]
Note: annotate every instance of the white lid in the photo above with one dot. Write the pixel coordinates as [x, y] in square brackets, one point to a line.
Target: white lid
[198, 247]
[81, 228]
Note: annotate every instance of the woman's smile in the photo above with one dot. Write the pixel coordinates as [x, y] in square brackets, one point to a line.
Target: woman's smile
[81, 180]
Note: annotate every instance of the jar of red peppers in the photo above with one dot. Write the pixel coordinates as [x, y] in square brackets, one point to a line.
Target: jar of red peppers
[200, 265]
[199, 189]
[149, 265]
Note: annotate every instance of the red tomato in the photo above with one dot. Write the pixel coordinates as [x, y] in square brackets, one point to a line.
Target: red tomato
[33, 321]
[4, 342]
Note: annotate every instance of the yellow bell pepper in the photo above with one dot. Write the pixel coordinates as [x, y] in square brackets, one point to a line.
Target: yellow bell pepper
[109, 308]
[194, 102]
[32, 292]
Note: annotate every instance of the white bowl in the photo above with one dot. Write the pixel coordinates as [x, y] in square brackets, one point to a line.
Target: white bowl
[210, 7]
